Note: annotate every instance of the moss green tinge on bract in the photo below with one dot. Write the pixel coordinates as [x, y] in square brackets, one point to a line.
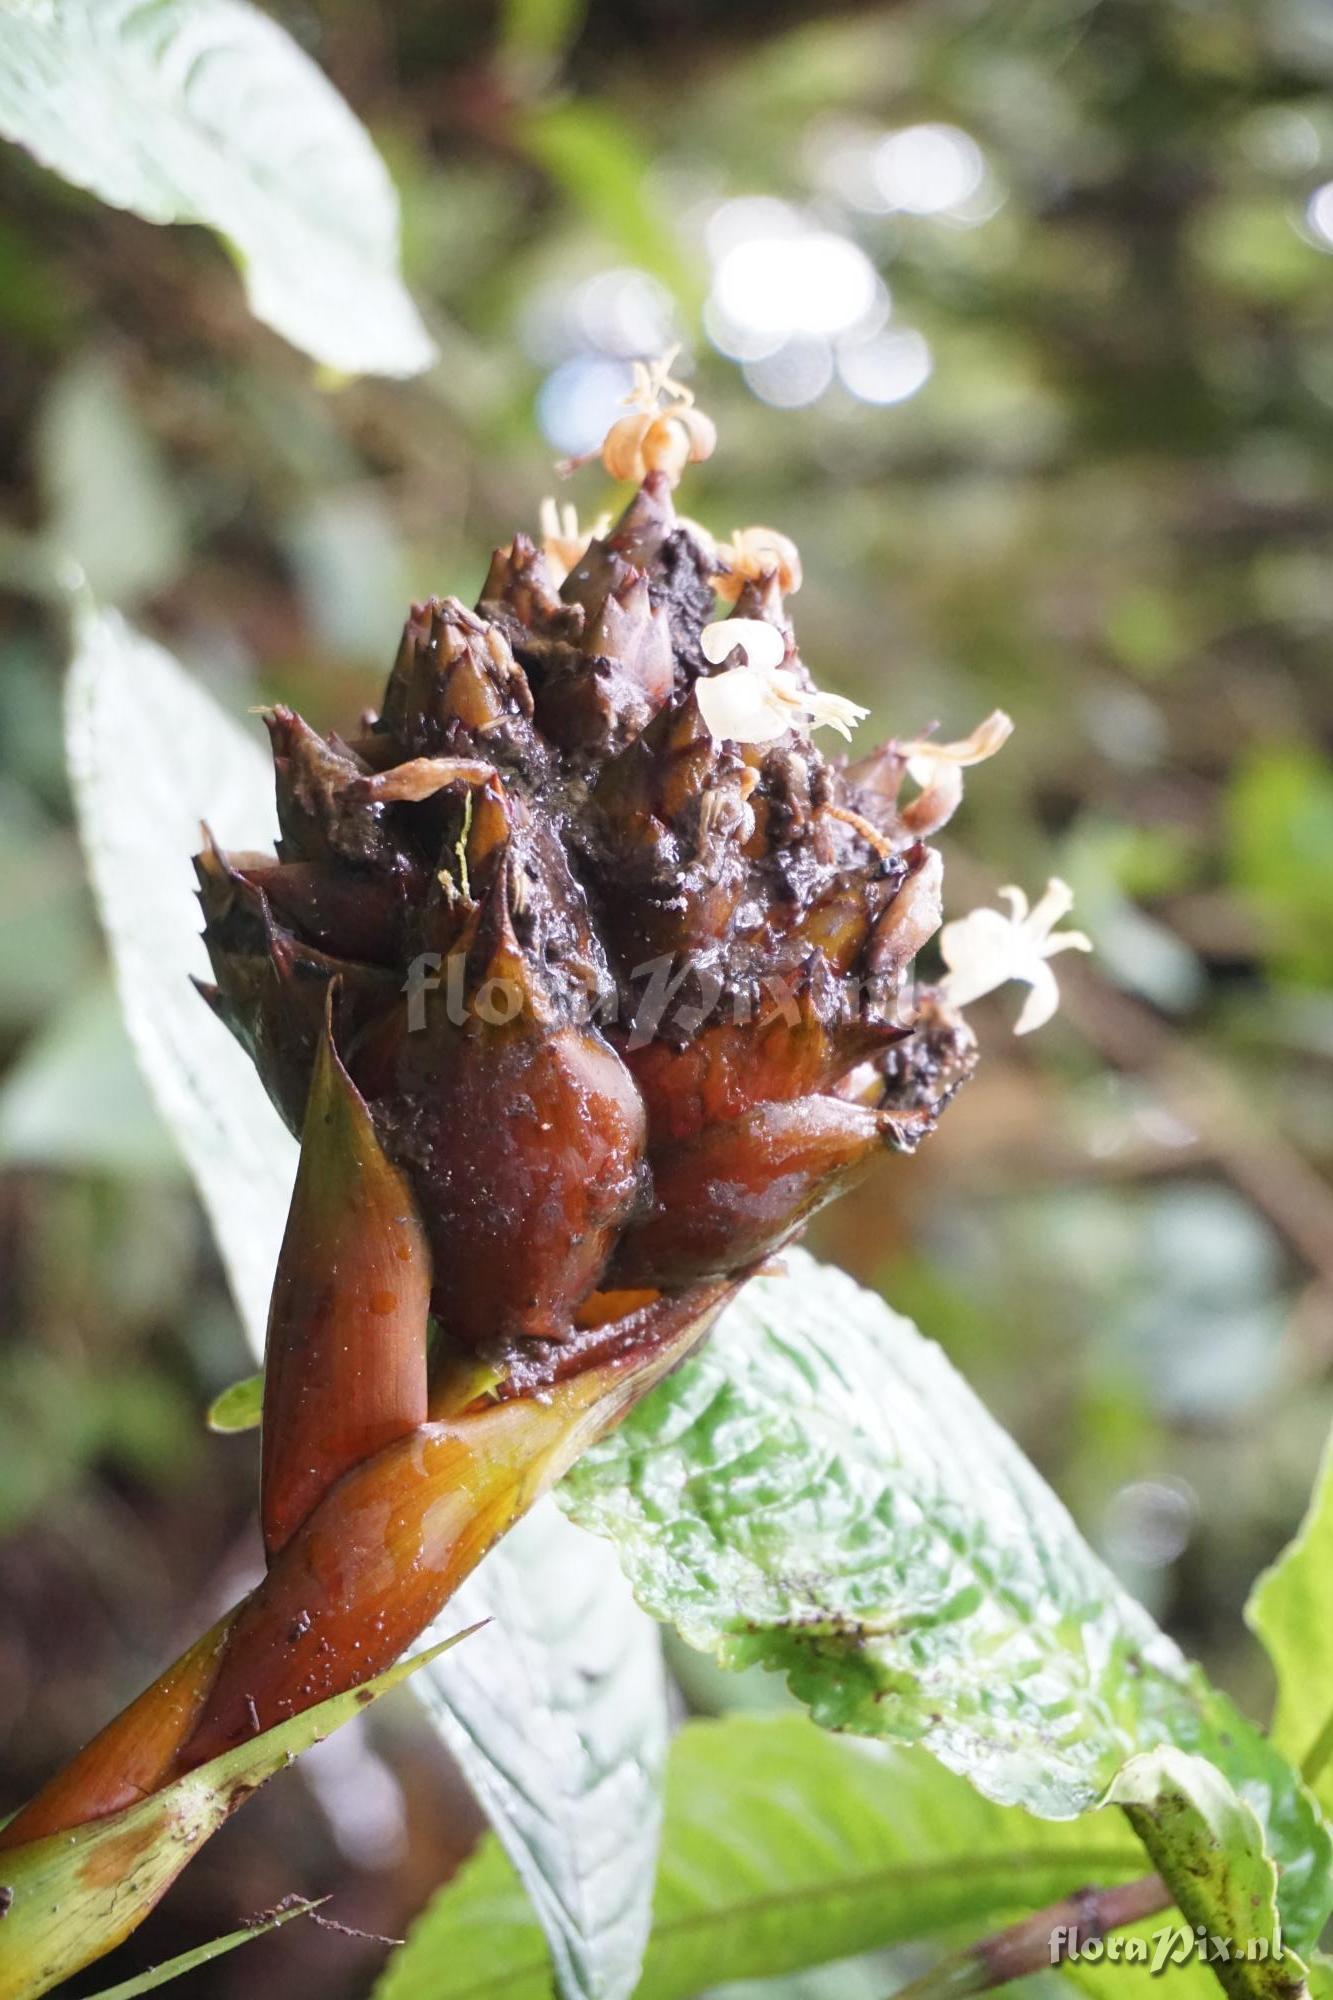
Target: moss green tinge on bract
[74, 1896]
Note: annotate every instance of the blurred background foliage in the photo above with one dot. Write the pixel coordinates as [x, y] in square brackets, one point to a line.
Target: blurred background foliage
[1019, 319]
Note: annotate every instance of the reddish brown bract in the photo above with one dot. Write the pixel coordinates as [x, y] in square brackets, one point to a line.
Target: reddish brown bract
[619, 998]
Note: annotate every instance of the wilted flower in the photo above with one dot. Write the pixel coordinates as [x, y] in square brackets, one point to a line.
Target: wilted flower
[752, 556]
[660, 436]
[987, 949]
[938, 769]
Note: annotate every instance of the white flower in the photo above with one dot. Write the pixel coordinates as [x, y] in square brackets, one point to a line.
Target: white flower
[986, 949]
[762, 700]
[938, 769]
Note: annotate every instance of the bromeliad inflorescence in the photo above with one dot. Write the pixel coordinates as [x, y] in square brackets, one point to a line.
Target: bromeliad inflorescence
[659, 944]
[585, 978]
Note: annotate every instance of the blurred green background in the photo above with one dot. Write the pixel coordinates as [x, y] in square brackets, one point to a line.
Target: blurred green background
[1019, 319]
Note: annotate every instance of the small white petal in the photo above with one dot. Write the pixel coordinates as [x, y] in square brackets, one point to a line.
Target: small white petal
[743, 705]
[1066, 941]
[753, 554]
[938, 769]
[1055, 904]
[1041, 1002]
[762, 643]
[982, 951]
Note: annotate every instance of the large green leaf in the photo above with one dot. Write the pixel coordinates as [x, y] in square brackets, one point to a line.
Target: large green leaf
[560, 1722]
[73, 1896]
[783, 1847]
[1291, 1610]
[207, 111]
[819, 1491]
[557, 1712]
[151, 755]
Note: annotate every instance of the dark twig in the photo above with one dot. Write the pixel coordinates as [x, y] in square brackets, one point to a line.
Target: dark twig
[1041, 1940]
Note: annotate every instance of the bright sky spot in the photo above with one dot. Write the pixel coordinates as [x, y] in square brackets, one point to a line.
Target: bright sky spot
[928, 169]
[887, 368]
[1319, 214]
[795, 374]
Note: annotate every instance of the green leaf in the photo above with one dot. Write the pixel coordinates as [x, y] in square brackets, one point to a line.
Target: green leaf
[1208, 1846]
[560, 1724]
[50, 945]
[538, 31]
[206, 111]
[1161, 1958]
[1280, 815]
[75, 1097]
[109, 500]
[150, 756]
[73, 1896]
[557, 1713]
[1291, 1611]
[783, 1847]
[819, 1492]
[190, 1961]
[240, 1407]
[598, 163]
[1319, 1975]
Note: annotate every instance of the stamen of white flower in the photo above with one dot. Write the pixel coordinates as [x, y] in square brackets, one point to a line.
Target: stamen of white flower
[653, 380]
[938, 769]
[987, 949]
[762, 700]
